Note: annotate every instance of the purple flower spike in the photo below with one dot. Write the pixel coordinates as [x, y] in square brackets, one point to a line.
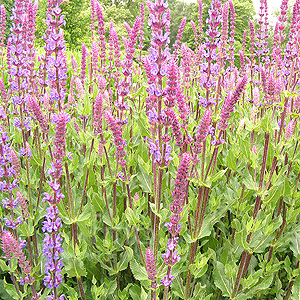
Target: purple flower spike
[230, 102]
[2, 25]
[117, 132]
[60, 138]
[290, 129]
[203, 130]
[11, 248]
[98, 114]
[151, 266]
[171, 255]
[36, 111]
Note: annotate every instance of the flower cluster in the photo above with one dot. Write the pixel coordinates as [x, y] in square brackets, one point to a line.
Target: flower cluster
[154, 149]
[203, 130]
[101, 32]
[98, 114]
[61, 120]
[2, 26]
[36, 111]
[179, 193]
[159, 52]
[230, 102]
[128, 62]
[175, 127]
[17, 53]
[179, 36]
[55, 44]
[151, 266]
[12, 248]
[52, 242]
[117, 132]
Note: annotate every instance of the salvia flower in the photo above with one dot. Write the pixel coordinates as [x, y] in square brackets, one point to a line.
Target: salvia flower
[56, 62]
[297, 102]
[203, 130]
[15, 163]
[256, 97]
[101, 32]
[179, 36]
[232, 32]
[2, 89]
[154, 149]
[230, 102]
[23, 204]
[98, 113]
[142, 17]
[117, 132]
[290, 129]
[2, 25]
[61, 120]
[175, 127]
[179, 192]
[151, 267]
[36, 111]
[172, 84]
[53, 241]
[200, 18]
[83, 62]
[186, 64]
[12, 248]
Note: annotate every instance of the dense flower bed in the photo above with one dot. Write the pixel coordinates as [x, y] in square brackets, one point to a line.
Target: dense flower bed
[171, 175]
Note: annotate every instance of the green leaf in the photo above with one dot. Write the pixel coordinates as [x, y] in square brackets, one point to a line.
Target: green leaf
[218, 175]
[177, 288]
[3, 266]
[131, 217]
[248, 181]
[126, 258]
[145, 183]
[11, 290]
[144, 131]
[139, 272]
[75, 267]
[27, 229]
[221, 280]
[295, 244]
[296, 289]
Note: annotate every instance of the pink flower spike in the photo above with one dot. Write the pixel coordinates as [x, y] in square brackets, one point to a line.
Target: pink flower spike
[256, 98]
[290, 130]
[11, 248]
[98, 113]
[36, 111]
[60, 138]
[15, 162]
[24, 205]
[2, 25]
[151, 264]
[203, 130]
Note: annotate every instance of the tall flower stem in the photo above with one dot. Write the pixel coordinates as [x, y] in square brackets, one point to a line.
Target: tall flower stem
[290, 285]
[85, 182]
[246, 256]
[135, 229]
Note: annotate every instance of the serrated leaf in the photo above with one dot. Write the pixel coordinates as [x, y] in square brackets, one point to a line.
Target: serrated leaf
[296, 289]
[221, 280]
[138, 271]
[131, 217]
[295, 244]
[218, 175]
[126, 258]
[75, 267]
[144, 182]
[11, 290]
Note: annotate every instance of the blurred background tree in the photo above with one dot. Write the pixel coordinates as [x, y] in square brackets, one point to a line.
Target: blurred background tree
[78, 16]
